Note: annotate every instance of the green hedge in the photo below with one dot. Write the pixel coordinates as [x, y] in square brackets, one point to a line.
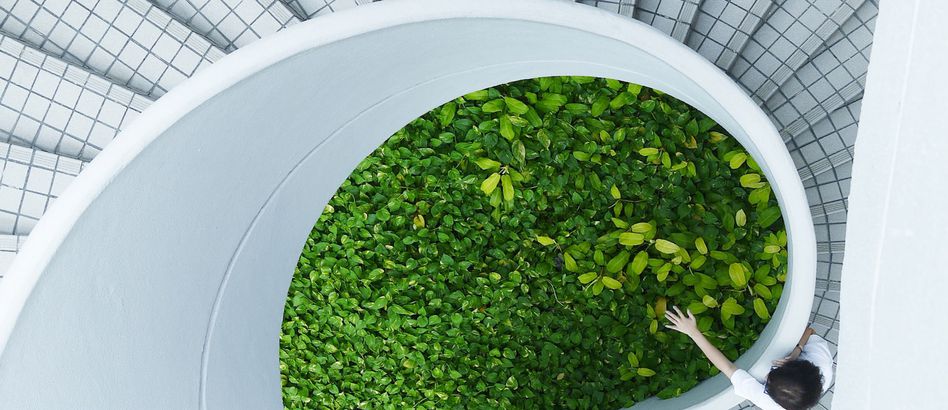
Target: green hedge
[517, 247]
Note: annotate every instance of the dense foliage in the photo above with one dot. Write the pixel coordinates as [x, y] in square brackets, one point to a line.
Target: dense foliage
[517, 247]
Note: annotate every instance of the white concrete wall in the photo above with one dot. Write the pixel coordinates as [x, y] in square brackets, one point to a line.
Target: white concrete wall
[159, 283]
[894, 326]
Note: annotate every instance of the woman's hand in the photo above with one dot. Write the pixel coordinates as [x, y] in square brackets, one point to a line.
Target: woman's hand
[790, 357]
[682, 323]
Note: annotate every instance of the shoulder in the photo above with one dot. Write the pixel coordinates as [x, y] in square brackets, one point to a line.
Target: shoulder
[748, 387]
[817, 351]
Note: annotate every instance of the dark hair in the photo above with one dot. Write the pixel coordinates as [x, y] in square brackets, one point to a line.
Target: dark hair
[796, 385]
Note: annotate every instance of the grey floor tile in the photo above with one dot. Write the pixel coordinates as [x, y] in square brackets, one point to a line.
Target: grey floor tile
[315, 8]
[58, 107]
[230, 24]
[9, 246]
[29, 182]
[792, 32]
[673, 17]
[721, 28]
[118, 39]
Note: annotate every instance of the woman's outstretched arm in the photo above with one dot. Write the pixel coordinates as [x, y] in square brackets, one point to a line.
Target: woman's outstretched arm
[688, 325]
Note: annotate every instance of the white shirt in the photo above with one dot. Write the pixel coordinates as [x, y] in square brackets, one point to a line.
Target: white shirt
[815, 351]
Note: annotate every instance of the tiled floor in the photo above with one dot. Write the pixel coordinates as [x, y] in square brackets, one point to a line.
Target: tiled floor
[57, 107]
[29, 182]
[231, 24]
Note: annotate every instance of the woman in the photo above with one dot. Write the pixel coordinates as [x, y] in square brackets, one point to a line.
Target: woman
[794, 383]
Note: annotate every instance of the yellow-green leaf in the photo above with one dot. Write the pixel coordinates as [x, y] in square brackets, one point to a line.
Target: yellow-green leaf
[771, 249]
[490, 183]
[761, 309]
[620, 223]
[736, 272]
[652, 327]
[588, 277]
[515, 106]
[614, 191]
[508, 187]
[633, 359]
[545, 240]
[660, 305]
[506, 128]
[665, 246]
[618, 262]
[611, 283]
[645, 372]
[640, 262]
[418, 221]
[697, 308]
[641, 227]
[648, 151]
[763, 291]
[751, 181]
[476, 95]
[487, 164]
[701, 246]
[737, 160]
[717, 137]
[631, 238]
[709, 301]
[569, 263]
[740, 217]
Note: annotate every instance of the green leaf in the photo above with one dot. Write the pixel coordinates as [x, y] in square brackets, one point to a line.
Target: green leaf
[515, 106]
[737, 160]
[446, 114]
[645, 372]
[588, 277]
[752, 181]
[611, 283]
[648, 151]
[619, 101]
[597, 287]
[545, 240]
[709, 301]
[614, 191]
[701, 246]
[581, 156]
[665, 246]
[620, 223]
[493, 106]
[633, 359]
[508, 187]
[717, 137]
[476, 95]
[569, 263]
[490, 183]
[618, 262]
[487, 164]
[763, 291]
[631, 238]
[697, 308]
[771, 249]
[634, 89]
[740, 217]
[737, 275]
[506, 128]
[768, 216]
[639, 262]
[641, 227]
[760, 308]
[599, 106]
[731, 307]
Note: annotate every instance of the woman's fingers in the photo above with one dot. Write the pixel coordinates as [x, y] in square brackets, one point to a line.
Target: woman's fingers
[671, 317]
[690, 316]
[679, 311]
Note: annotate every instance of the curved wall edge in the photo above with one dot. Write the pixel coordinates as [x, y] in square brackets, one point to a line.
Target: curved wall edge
[201, 249]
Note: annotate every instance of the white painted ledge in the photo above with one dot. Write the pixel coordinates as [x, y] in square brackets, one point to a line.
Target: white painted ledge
[894, 326]
[158, 279]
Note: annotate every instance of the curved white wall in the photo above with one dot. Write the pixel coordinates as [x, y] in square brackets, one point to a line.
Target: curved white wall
[158, 279]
